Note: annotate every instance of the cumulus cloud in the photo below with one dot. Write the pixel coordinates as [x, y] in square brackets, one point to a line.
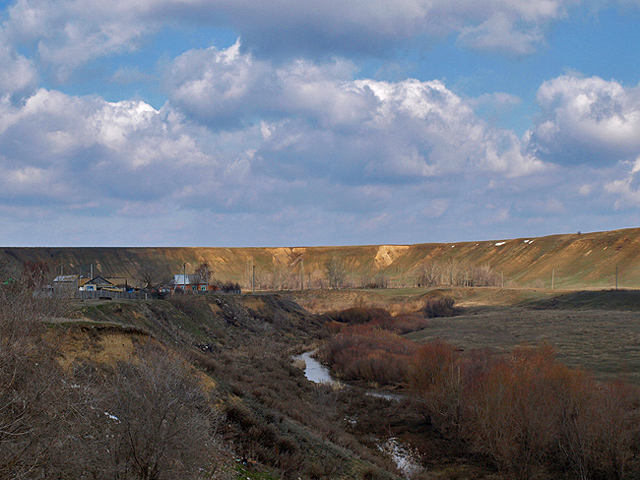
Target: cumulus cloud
[627, 189]
[318, 120]
[17, 74]
[243, 136]
[70, 33]
[587, 120]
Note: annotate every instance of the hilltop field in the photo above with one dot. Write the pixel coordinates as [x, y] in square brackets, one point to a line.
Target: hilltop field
[578, 261]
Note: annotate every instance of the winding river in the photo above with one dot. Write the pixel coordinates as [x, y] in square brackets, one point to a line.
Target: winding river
[404, 459]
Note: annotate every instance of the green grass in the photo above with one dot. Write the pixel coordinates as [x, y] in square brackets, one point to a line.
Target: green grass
[244, 472]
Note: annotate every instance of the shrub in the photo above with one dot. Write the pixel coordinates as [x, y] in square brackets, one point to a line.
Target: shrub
[439, 307]
[360, 315]
[372, 355]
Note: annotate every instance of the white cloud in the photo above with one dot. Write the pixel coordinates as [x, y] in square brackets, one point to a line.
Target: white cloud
[501, 33]
[627, 189]
[318, 120]
[70, 33]
[587, 120]
[381, 149]
[17, 74]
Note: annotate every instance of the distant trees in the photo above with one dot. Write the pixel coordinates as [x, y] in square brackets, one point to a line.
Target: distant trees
[151, 277]
[452, 273]
[336, 272]
[203, 273]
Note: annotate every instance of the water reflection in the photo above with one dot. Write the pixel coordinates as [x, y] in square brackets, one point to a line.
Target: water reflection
[314, 370]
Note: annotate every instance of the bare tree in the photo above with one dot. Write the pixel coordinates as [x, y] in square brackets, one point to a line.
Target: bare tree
[336, 272]
[150, 277]
[278, 276]
[159, 420]
[32, 398]
[203, 272]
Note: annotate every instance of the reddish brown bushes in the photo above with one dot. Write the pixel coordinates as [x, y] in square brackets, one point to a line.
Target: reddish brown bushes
[372, 355]
[360, 315]
[524, 410]
[528, 412]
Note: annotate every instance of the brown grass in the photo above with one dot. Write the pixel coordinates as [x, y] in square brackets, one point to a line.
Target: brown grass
[602, 342]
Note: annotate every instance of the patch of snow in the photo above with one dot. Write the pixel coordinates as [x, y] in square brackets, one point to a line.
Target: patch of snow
[112, 417]
[499, 244]
[405, 460]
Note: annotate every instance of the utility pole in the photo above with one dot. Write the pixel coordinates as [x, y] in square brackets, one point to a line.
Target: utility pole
[502, 278]
[253, 279]
[302, 274]
[553, 274]
[616, 277]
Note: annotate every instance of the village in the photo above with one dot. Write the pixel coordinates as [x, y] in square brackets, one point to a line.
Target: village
[114, 287]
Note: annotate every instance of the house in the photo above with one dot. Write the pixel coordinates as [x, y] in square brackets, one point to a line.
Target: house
[66, 284]
[94, 284]
[192, 282]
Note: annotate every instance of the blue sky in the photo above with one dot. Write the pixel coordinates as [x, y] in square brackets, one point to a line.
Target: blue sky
[285, 123]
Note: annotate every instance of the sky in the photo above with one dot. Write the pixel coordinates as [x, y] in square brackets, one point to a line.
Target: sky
[233, 123]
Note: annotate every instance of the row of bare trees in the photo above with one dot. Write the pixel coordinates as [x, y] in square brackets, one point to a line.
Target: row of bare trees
[335, 274]
[452, 273]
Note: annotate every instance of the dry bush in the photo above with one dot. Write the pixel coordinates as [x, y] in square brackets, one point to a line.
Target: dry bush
[33, 393]
[439, 307]
[527, 412]
[158, 419]
[360, 315]
[435, 375]
[374, 317]
[372, 355]
[511, 413]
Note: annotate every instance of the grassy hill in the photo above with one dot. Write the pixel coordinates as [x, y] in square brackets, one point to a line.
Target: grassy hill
[587, 260]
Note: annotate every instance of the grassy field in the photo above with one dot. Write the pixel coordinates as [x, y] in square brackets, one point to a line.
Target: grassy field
[595, 331]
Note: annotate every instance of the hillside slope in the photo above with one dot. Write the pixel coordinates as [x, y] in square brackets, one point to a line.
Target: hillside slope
[586, 260]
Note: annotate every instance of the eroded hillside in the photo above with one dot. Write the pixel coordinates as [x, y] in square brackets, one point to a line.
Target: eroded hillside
[588, 260]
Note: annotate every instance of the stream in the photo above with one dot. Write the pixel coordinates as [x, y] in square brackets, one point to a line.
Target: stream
[404, 459]
[315, 372]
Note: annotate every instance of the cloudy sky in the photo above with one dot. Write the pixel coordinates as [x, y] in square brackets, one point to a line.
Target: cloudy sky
[323, 122]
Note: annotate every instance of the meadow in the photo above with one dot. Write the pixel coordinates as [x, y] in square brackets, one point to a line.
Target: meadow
[604, 342]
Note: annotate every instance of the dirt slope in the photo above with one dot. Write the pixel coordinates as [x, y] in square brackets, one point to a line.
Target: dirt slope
[587, 260]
